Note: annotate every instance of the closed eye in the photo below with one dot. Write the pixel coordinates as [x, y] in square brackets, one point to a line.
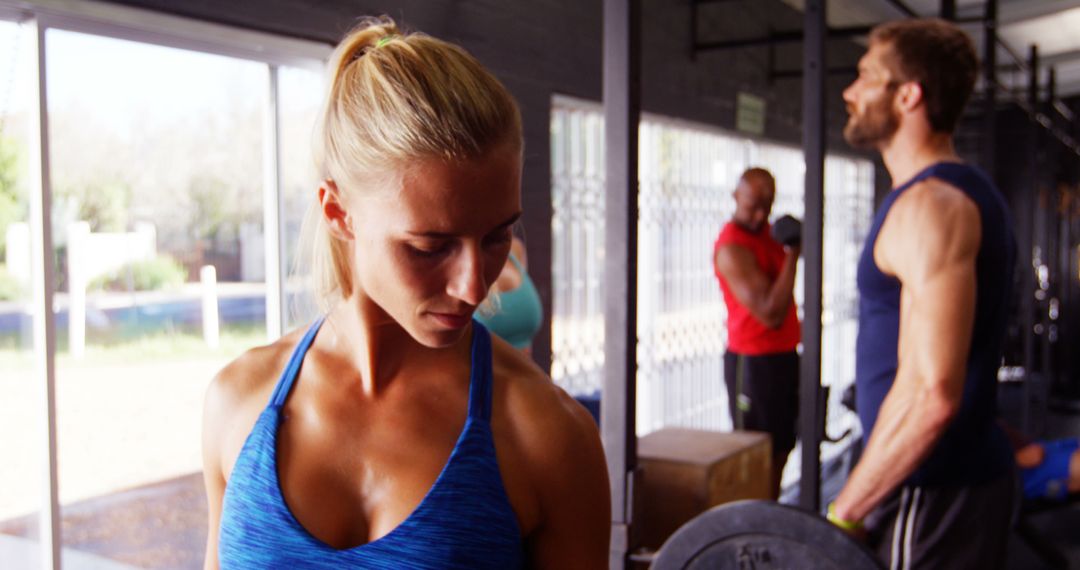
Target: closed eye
[426, 252]
[502, 236]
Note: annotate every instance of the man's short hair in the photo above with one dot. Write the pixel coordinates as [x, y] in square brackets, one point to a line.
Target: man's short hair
[939, 57]
[760, 174]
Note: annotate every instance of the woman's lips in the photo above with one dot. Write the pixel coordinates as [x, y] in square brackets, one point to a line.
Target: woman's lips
[452, 320]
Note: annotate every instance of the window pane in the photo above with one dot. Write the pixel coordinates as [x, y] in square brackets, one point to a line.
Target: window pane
[299, 94]
[21, 404]
[687, 174]
[157, 174]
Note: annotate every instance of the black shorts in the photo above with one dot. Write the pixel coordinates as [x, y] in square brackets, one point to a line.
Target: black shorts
[945, 527]
[765, 397]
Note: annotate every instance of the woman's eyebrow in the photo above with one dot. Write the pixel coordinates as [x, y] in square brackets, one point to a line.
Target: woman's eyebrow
[509, 222]
[443, 235]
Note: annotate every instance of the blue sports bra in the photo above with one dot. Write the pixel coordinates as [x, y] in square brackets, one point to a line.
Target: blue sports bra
[464, 521]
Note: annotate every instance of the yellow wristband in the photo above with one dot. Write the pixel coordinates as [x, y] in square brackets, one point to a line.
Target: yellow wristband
[842, 523]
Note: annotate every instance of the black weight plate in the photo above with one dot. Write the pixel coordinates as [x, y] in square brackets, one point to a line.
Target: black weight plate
[762, 535]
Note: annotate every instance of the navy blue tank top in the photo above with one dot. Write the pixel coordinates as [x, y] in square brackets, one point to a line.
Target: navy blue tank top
[973, 448]
[464, 522]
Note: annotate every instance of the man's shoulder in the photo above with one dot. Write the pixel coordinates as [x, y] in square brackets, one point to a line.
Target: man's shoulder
[934, 202]
[932, 224]
[734, 235]
[727, 233]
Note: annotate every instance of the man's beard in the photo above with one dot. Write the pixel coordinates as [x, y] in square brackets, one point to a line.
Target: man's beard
[877, 124]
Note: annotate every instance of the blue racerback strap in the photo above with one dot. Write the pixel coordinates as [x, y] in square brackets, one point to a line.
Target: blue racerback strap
[292, 369]
[480, 380]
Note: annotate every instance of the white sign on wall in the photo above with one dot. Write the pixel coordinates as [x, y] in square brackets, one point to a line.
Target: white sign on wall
[750, 113]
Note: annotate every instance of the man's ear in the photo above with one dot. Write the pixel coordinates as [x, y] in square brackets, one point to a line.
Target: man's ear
[334, 212]
[909, 96]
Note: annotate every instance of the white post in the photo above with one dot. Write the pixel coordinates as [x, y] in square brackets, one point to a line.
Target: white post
[42, 287]
[273, 206]
[78, 235]
[211, 333]
[147, 242]
[18, 253]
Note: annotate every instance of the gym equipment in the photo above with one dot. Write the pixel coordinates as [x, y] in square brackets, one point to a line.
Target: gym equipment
[762, 535]
[685, 472]
[788, 231]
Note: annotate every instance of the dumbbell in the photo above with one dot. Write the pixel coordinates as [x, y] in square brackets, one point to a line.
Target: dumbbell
[787, 230]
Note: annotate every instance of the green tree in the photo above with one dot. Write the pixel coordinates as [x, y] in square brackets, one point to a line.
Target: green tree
[209, 212]
[103, 204]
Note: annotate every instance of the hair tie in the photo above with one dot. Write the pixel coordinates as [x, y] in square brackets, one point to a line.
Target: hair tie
[385, 40]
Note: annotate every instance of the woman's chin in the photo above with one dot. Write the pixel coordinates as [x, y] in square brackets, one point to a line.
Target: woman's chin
[438, 336]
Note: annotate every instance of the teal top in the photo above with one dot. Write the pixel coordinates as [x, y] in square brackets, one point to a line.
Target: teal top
[520, 313]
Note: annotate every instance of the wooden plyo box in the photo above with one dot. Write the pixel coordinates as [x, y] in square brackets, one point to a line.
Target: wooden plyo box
[685, 472]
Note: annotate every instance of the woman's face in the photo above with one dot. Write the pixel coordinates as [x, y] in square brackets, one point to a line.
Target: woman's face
[427, 251]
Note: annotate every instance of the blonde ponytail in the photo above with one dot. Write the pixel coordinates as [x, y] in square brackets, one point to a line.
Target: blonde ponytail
[394, 98]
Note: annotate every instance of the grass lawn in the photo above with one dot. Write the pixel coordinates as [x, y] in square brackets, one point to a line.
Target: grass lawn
[127, 415]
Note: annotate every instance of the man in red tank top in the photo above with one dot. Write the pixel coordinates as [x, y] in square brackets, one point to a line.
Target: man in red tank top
[757, 277]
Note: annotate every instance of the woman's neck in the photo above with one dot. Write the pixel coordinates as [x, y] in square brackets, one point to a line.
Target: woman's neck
[377, 347]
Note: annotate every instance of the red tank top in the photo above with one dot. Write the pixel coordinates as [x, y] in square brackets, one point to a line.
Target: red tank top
[746, 334]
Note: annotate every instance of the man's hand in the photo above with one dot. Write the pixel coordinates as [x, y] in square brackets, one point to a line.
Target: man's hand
[787, 230]
[853, 528]
[1030, 456]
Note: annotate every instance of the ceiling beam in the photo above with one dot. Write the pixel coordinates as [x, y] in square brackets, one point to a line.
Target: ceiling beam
[903, 8]
[1060, 57]
[779, 37]
[1015, 12]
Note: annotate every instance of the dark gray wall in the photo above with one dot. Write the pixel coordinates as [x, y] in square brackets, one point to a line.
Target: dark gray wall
[539, 48]
[1029, 164]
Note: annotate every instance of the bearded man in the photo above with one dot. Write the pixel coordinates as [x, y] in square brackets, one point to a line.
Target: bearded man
[935, 485]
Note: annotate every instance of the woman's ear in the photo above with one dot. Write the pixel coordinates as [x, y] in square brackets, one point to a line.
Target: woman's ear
[334, 211]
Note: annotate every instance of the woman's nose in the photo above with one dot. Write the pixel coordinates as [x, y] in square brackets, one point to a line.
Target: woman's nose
[467, 282]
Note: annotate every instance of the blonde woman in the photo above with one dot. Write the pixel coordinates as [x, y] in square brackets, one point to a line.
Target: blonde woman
[395, 432]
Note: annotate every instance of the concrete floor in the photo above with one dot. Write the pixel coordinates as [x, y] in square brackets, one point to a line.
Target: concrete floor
[163, 525]
[20, 553]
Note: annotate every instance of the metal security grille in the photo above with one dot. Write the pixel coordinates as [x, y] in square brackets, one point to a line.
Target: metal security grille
[687, 174]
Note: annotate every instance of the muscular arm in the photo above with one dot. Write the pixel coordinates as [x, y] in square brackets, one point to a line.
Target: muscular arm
[575, 497]
[767, 301]
[929, 242]
[553, 443]
[232, 402]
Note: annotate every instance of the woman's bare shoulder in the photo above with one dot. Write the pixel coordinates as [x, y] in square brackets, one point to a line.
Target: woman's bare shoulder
[245, 383]
[556, 448]
[538, 410]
